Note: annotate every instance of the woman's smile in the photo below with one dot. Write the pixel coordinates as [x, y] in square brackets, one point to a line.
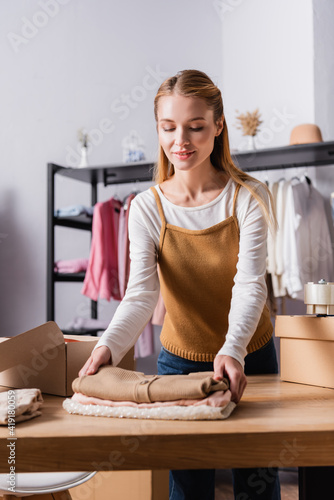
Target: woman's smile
[187, 131]
[183, 155]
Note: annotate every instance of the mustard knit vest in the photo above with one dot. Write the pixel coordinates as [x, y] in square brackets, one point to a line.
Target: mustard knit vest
[197, 268]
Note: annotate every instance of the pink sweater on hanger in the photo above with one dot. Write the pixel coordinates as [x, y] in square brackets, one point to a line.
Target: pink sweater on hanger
[101, 278]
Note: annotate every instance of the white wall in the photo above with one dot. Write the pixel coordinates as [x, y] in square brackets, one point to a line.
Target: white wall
[63, 75]
[323, 22]
[278, 57]
[84, 57]
[268, 64]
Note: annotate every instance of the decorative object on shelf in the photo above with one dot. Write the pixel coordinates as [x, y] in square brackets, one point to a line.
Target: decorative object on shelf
[133, 148]
[83, 139]
[249, 123]
[306, 133]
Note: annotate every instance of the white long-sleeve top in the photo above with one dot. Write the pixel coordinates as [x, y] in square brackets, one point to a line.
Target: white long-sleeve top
[249, 291]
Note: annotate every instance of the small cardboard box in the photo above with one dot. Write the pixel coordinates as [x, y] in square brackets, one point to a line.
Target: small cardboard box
[306, 349]
[46, 359]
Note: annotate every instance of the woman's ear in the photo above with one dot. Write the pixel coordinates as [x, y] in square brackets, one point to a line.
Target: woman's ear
[220, 126]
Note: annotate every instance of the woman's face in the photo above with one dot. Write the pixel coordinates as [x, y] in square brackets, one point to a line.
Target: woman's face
[186, 131]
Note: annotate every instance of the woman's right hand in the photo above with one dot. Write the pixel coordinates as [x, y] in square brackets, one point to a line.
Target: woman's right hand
[101, 356]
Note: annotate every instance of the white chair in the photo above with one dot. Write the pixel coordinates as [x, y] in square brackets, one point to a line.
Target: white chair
[41, 483]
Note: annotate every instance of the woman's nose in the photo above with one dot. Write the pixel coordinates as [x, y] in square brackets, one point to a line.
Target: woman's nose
[181, 138]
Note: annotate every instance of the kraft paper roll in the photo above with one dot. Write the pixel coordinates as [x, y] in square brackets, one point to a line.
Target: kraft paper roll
[319, 298]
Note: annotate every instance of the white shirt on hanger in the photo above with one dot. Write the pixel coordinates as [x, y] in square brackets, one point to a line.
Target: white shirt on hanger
[309, 253]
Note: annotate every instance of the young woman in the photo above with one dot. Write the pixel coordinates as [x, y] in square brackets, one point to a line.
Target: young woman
[205, 224]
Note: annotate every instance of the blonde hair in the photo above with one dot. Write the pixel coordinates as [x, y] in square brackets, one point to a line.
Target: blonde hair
[194, 83]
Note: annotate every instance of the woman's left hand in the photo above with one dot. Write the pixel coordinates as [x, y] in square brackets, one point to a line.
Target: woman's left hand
[226, 366]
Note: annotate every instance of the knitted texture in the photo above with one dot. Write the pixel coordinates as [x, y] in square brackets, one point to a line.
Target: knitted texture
[117, 384]
[161, 413]
[20, 405]
[197, 270]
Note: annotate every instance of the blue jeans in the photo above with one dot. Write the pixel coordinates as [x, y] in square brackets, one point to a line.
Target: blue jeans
[200, 484]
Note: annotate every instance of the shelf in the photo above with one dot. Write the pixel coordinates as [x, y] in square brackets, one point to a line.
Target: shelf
[109, 174]
[74, 277]
[301, 155]
[78, 222]
[91, 332]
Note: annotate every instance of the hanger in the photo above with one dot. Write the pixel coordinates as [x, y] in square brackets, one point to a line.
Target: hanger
[303, 177]
[115, 192]
[134, 191]
[266, 178]
[306, 177]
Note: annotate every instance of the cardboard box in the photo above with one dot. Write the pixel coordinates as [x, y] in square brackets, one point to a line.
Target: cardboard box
[306, 349]
[46, 359]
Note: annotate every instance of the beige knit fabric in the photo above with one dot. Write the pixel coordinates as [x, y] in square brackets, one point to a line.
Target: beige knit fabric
[197, 270]
[117, 384]
[19, 405]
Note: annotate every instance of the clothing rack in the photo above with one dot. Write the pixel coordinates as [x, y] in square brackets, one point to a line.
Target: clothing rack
[106, 175]
[302, 155]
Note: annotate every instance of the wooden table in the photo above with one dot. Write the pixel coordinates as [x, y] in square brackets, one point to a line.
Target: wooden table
[277, 424]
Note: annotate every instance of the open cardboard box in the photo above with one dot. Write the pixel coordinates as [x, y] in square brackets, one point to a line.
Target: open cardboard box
[306, 349]
[46, 359]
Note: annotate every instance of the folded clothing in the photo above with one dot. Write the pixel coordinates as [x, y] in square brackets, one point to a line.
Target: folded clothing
[192, 412]
[19, 405]
[115, 392]
[219, 399]
[74, 210]
[117, 384]
[71, 266]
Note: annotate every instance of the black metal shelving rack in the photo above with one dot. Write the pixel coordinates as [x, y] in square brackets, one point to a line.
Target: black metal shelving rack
[106, 175]
[302, 155]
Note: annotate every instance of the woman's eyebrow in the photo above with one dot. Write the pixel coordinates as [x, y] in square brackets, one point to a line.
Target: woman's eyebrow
[191, 119]
[197, 118]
